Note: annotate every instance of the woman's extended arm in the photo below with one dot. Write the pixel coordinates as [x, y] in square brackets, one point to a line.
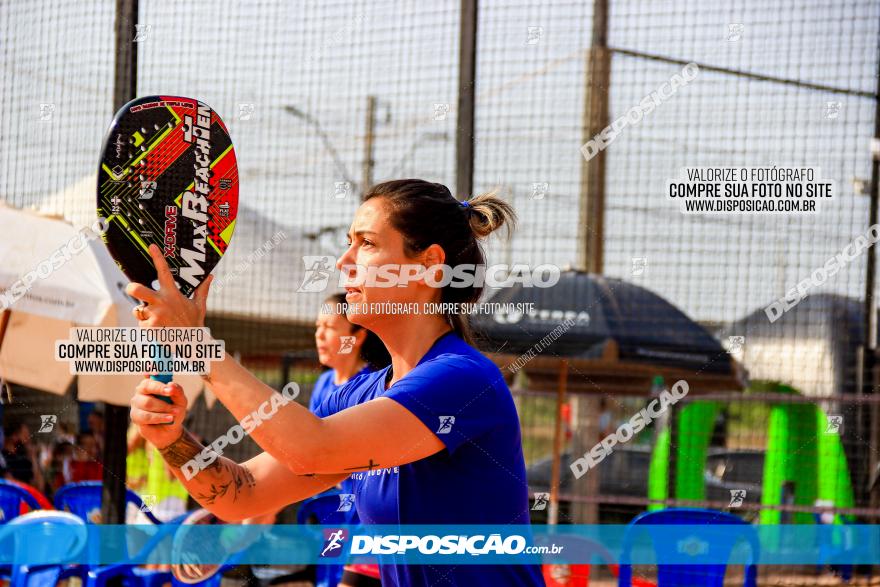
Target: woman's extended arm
[379, 433]
[229, 490]
[234, 492]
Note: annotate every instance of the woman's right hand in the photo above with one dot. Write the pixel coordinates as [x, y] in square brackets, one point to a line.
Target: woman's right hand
[159, 422]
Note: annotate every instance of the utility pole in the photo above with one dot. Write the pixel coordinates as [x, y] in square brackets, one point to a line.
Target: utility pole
[867, 371]
[367, 180]
[591, 227]
[591, 232]
[116, 417]
[467, 71]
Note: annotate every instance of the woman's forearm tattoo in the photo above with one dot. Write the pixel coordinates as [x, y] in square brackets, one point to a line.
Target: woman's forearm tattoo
[234, 478]
[182, 450]
[223, 478]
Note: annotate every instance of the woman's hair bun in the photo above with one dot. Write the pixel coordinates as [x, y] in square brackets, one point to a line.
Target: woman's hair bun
[488, 212]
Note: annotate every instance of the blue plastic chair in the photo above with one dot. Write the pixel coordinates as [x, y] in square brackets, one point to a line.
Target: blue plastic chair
[828, 553]
[130, 574]
[11, 498]
[702, 575]
[65, 544]
[84, 500]
[325, 508]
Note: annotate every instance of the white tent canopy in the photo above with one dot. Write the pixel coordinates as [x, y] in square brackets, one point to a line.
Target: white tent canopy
[86, 290]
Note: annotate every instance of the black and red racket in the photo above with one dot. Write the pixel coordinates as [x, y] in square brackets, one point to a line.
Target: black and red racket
[168, 176]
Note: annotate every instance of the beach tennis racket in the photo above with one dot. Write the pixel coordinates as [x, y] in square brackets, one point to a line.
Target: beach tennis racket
[191, 570]
[192, 547]
[168, 177]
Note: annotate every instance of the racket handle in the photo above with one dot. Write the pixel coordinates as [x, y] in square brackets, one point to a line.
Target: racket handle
[163, 378]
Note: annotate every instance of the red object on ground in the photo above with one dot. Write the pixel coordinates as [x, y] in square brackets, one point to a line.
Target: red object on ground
[579, 576]
[367, 570]
[566, 575]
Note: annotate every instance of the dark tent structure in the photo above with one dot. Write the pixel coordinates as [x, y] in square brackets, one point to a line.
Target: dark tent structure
[620, 334]
[591, 334]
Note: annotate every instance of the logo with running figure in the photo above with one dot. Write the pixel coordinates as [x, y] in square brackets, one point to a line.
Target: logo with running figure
[341, 189]
[317, 275]
[346, 344]
[541, 501]
[47, 423]
[346, 502]
[834, 424]
[446, 423]
[47, 109]
[334, 540]
[150, 502]
[737, 497]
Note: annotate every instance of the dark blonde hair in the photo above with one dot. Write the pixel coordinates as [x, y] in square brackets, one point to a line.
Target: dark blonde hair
[426, 213]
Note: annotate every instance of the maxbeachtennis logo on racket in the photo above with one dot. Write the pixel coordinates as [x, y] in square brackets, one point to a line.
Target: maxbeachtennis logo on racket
[195, 203]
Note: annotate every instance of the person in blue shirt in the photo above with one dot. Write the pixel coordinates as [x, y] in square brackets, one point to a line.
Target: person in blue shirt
[346, 348]
[349, 351]
[433, 438]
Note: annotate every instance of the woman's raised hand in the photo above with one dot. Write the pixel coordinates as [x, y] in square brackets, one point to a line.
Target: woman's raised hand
[168, 307]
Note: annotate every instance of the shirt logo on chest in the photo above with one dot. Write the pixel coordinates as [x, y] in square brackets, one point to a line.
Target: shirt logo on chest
[446, 423]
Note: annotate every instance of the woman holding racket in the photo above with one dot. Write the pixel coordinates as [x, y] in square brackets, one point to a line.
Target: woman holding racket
[432, 439]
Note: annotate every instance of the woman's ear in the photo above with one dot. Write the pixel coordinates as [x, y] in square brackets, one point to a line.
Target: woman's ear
[433, 256]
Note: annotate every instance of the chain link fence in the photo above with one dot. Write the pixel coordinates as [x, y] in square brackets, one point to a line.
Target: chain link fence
[325, 98]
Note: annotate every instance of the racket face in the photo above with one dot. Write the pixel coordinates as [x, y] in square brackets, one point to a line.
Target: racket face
[168, 176]
[192, 571]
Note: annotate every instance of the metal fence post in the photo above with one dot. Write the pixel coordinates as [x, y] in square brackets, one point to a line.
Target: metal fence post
[116, 417]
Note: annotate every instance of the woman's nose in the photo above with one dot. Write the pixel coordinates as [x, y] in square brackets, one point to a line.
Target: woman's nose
[346, 261]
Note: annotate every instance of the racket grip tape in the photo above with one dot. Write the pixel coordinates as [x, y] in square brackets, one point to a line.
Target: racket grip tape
[163, 378]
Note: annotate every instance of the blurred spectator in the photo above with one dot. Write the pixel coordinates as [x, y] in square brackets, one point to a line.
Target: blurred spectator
[606, 419]
[64, 433]
[86, 464]
[60, 471]
[565, 412]
[137, 464]
[96, 427]
[20, 454]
